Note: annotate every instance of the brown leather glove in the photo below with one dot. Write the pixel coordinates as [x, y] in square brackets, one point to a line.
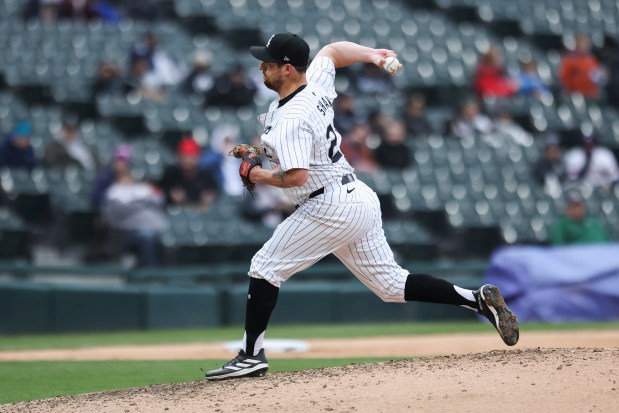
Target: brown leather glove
[250, 156]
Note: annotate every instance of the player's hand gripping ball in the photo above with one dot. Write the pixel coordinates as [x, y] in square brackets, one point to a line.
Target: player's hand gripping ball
[250, 156]
[392, 65]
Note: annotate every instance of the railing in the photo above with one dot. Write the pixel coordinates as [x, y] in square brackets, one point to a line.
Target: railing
[217, 273]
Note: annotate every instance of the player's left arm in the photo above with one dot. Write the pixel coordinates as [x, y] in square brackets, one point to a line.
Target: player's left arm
[292, 141]
[277, 177]
[347, 53]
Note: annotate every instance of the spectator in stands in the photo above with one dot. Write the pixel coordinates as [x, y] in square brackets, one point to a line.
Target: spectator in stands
[471, 122]
[200, 79]
[580, 71]
[576, 227]
[355, 148]
[162, 66]
[78, 9]
[591, 164]
[216, 161]
[233, 89]
[506, 127]
[549, 170]
[491, 79]
[392, 152]
[144, 82]
[121, 159]
[45, 10]
[68, 149]
[108, 80]
[378, 122]
[16, 150]
[528, 80]
[414, 116]
[101, 247]
[185, 184]
[372, 80]
[51, 10]
[345, 113]
[134, 210]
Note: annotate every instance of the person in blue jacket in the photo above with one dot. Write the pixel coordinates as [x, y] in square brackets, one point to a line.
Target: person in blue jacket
[16, 150]
[529, 82]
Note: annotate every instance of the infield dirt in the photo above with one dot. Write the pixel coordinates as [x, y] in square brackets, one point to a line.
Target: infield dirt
[521, 379]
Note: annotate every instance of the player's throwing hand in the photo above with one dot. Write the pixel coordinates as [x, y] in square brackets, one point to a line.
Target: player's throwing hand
[388, 60]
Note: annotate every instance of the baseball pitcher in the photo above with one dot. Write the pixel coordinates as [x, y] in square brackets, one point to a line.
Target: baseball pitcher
[336, 212]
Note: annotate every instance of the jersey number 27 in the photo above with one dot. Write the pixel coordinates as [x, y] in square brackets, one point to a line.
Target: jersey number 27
[334, 138]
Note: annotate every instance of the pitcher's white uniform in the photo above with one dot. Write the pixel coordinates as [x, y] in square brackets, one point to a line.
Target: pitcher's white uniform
[344, 220]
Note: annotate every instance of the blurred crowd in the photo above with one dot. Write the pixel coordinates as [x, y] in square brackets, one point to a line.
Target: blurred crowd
[153, 70]
[50, 11]
[133, 210]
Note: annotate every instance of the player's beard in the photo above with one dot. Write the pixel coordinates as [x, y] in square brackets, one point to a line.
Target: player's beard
[274, 84]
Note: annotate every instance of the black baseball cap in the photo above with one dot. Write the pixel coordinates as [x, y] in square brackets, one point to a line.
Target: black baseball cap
[283, 48]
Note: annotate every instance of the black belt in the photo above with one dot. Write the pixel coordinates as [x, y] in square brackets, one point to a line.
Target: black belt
[346, 179]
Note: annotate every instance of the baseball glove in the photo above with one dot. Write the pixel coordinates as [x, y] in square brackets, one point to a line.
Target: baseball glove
[251, 158]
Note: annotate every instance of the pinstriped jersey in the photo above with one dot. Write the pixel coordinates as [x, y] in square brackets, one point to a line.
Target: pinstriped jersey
[300, 133]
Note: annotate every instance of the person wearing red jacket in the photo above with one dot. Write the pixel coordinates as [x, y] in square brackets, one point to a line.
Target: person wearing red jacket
[490, 79]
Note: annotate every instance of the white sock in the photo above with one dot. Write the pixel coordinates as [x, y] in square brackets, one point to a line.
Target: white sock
[257, 346]
[468, 295]
[259, 343]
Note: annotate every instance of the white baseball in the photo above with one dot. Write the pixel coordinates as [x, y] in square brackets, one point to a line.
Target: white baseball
[391, 64]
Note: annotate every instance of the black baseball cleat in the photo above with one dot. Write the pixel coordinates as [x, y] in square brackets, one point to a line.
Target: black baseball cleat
[241, 366]
[492, 306]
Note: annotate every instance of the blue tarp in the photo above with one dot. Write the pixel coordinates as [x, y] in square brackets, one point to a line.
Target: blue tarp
[559, 284]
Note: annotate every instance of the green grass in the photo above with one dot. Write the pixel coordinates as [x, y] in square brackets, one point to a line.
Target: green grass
[42, 379]
[291, 332]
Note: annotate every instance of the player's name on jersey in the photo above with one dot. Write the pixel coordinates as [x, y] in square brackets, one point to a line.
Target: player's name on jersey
[323, 105]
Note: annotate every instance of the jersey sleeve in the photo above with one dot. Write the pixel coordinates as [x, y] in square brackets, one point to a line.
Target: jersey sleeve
[321, 72]
[293, 144]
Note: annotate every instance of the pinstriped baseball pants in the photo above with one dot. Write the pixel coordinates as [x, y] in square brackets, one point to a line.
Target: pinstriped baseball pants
[346, 221]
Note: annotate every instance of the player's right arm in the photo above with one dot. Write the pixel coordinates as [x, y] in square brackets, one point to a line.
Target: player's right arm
[347, 53]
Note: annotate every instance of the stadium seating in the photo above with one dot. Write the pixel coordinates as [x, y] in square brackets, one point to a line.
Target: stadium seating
[477, 191]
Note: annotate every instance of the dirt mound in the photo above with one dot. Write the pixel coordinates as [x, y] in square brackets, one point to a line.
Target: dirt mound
[551, 380]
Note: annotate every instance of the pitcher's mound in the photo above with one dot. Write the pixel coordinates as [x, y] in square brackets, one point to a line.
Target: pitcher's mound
[531, 380]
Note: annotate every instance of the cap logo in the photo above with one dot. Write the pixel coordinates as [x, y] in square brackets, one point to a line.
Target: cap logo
[269, 42]
[286, 59]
